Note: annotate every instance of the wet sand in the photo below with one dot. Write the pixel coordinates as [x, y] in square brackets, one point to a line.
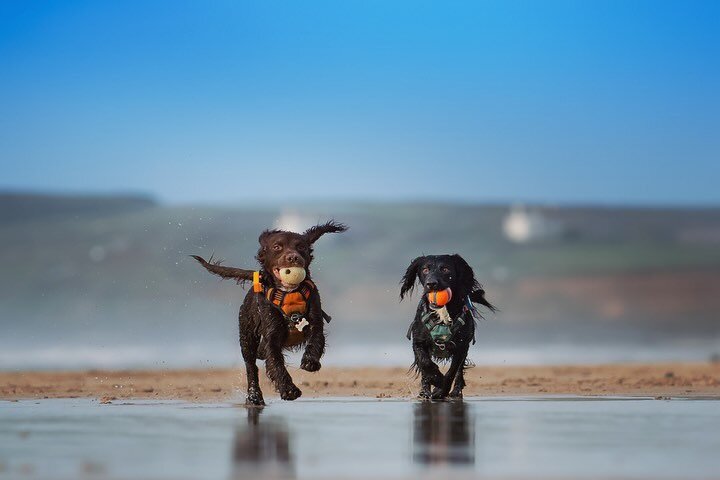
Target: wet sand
[203, 385]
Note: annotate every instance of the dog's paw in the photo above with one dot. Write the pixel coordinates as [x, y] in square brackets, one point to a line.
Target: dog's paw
[290, 393]
[439, 394]
[254, 397]
[424, 394]
[456, 394]
[310, 364]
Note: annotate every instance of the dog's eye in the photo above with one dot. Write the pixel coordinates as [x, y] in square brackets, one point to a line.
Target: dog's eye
[425, 270]
[300, 247]
[277, 247]
[445, 270]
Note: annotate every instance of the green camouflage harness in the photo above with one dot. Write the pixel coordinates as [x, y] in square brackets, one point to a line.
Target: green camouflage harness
[442, 330]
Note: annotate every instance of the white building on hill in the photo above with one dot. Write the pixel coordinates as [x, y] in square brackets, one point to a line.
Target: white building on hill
[294, 222]
[523, 226]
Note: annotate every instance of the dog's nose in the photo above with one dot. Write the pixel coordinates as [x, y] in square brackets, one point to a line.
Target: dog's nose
[431, 285]
[292, 258]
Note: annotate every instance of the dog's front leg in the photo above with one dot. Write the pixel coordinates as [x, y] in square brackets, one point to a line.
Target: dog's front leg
[315, 347]
[457, 389]
[441, 391]
[429, 371]
[275, 333]
[248, 345]
[249, 340]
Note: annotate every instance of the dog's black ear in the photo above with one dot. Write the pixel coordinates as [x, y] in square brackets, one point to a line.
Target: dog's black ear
[411, 275]
[466, 276]
[313, 233]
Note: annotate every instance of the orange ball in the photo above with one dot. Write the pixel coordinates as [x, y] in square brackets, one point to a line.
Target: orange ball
[440, 297]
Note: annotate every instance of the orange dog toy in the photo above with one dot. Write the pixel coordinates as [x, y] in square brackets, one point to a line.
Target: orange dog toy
[440, 298]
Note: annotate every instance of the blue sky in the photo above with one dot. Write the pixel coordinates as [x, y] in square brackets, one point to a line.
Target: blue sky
[226, 101]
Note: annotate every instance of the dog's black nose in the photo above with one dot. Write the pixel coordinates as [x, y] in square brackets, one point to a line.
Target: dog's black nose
[292, 258]
[431, 285]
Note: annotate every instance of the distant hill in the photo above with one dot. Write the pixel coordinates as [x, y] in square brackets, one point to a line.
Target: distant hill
[16, 207]
[116, 269]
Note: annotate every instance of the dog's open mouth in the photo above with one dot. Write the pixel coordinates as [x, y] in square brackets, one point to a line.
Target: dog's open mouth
[290, 277]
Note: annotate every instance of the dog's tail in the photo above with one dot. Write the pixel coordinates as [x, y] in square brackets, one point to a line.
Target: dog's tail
[215, 267]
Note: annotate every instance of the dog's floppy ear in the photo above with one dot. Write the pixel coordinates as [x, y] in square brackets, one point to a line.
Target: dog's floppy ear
[411, 274]
[478, 296]
[466, 276]
[313, 233]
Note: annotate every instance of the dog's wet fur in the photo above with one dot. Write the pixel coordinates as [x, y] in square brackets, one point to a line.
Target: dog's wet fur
[263, 328]
[438, 272]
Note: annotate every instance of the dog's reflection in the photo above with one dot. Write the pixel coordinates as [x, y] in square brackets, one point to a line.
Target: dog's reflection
[443, 434]
[262, 448]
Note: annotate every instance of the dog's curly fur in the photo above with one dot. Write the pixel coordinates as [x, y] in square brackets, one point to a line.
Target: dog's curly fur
[263, 328]
[437, 272]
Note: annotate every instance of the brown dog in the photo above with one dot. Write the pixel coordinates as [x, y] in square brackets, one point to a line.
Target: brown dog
[283, 308]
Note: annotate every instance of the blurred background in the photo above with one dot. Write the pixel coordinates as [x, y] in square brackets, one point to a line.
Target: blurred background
[568, 150]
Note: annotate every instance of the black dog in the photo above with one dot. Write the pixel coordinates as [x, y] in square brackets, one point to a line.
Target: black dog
[443, 333]
[282, 310]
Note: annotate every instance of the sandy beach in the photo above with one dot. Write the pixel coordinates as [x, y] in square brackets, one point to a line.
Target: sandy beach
[201, 385]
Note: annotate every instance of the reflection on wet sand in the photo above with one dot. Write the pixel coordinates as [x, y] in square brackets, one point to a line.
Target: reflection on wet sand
[443, 434]
[262, 448]
[348, 438]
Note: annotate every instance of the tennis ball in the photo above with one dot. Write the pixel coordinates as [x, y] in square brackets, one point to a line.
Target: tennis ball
[440, 297]
[292, 275]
